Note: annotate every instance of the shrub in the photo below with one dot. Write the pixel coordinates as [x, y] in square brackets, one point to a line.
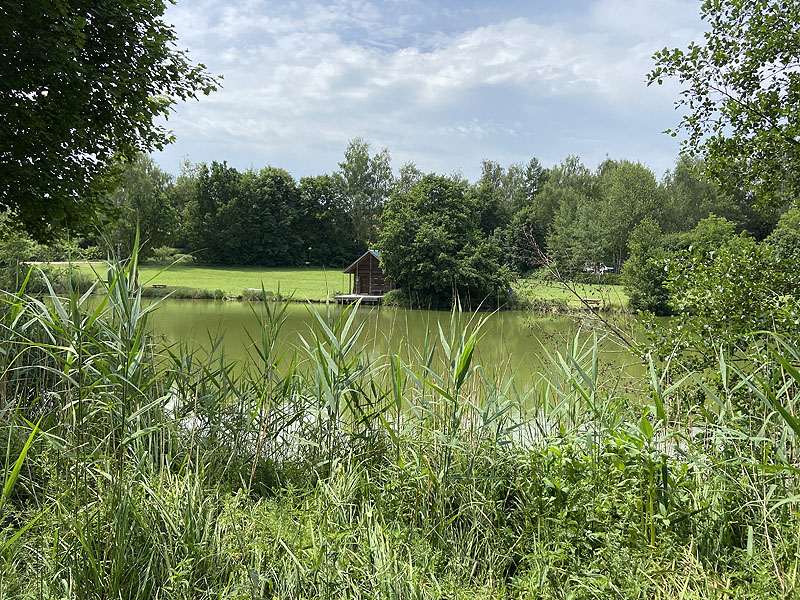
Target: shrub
[396, 298]
[166, 255]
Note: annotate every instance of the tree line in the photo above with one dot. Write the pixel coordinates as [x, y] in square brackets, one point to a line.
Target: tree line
[440, 235]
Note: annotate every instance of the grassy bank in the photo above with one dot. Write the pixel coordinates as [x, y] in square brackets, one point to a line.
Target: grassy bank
[317, 284]
[134, 470]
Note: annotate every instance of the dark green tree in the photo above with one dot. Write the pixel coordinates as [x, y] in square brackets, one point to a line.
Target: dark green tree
[205, 232]
[492, 197]
[329, 235]
[433, 248]
[82, 85]
[525, 240]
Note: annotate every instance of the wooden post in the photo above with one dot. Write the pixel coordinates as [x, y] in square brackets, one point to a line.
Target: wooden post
[370, 274]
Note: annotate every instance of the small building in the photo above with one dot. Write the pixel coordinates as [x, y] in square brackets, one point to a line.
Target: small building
[366, 277]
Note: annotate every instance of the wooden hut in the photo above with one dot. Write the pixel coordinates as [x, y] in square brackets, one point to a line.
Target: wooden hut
[367, 280]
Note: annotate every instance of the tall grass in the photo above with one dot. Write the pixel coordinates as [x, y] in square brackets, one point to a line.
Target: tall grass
[135, 469]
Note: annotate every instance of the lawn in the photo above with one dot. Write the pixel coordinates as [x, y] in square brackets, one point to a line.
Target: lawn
[535, 288]
[311, 283]
[317, 284]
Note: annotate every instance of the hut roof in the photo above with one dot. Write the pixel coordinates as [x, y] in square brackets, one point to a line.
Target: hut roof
[374, 253]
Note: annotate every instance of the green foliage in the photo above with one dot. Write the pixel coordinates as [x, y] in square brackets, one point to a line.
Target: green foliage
[785, 238]
[525, 239]
[15, 248]
[328, 232]
[644, 272]
[431, 246]
[364, 183]
[143, 208]
[397, 298]
[740, 86]
[83, 84]
[630, 194]
[166, 255]
[250, 218]
[727, 296]
[691, 197]
[709, 234]
[576, 236]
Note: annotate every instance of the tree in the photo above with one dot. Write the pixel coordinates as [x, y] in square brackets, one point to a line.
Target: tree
[409, 175]
[575, 238]
[643, 273]
[365, 183]
[432, 247]
[142, 204]
[492, 198]
[15, 247]
[205, 235]
[741, 87]
[536, 177]
[785, 239]
[691, 197]
[329, 234]
[709, 234]
[727, 298]
[82, 84]
[630, 193]
[525, 239]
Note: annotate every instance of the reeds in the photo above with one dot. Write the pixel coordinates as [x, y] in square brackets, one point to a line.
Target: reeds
[136, 469]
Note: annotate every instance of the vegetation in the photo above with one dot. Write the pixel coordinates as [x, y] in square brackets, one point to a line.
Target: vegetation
[741, 91]
[432, 247]
[134, 470]
[306, 283]
[83, 85]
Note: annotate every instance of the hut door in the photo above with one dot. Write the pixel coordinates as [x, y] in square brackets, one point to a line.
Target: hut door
[363, 284]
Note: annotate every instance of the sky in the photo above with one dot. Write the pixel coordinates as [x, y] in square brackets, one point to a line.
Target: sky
[442, 84]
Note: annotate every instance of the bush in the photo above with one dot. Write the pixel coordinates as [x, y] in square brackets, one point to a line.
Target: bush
[258, 295]
[184, 293]
[167, 256]
[596, 278]
[397, 298]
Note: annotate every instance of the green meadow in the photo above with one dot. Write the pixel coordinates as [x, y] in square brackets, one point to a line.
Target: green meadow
[318, 284]
[305, 283]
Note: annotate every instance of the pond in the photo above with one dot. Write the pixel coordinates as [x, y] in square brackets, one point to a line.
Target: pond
[511, 342]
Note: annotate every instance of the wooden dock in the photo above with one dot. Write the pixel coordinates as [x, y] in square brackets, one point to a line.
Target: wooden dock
[350, 298]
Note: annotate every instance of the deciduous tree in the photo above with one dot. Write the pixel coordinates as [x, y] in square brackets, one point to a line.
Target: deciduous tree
[432, 246]
[741, 94]
[82, 84]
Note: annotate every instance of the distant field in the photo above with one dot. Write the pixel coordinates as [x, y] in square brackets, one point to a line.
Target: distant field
[317, 284]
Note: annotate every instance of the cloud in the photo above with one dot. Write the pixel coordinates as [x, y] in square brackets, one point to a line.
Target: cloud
[301, 79]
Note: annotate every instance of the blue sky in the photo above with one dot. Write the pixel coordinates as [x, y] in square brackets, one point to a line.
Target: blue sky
[442, 84]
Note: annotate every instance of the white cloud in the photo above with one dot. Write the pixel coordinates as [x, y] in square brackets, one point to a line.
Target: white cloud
[322, 74]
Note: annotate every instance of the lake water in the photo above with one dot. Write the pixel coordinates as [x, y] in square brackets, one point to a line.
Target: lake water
[511, 342]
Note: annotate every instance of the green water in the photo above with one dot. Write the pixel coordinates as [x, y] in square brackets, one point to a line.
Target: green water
[512, 342]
